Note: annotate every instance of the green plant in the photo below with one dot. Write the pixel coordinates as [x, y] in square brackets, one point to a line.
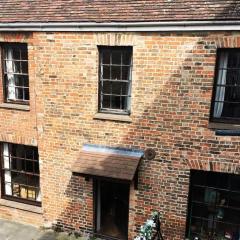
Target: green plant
[147, 229]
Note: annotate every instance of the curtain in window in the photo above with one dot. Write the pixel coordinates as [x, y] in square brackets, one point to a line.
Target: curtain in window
[11, 91]
[221, 80]
[7, 173]
[39, 198]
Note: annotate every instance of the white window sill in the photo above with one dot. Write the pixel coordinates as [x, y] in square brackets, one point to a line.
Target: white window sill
[21, 206]
[15, 106]
[112, 117]
[223, 126]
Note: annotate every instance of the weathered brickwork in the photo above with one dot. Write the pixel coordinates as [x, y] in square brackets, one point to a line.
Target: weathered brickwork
[171, 96]
[20, 127]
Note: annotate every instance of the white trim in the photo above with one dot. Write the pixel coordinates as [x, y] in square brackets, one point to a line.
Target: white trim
[122, 26]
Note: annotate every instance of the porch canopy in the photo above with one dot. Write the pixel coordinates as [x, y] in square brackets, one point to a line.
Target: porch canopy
[114, 163]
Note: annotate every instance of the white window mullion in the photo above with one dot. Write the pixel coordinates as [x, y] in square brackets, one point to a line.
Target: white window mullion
[7, 167]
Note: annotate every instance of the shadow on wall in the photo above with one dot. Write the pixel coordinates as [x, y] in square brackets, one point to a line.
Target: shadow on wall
[177, 87]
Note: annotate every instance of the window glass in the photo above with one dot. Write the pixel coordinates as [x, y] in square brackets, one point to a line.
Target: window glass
[116, 57]
[20, 166]
[106, 55]
[115, 79]
[214, 207]
[15, 64]
[226, 105]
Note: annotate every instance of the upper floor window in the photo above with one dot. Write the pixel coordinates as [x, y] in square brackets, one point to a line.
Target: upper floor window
[226, 94]
[20, 173]
[15, 73]
[115, 79]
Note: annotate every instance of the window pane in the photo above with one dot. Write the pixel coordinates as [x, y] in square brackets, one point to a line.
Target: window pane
[126, 58]
[116, 73]
[107, 87]
[231, 110]
[36, 167]
[106, 101]
[16, 54]
[116, 102]
[8, 188]
[19, 93]
[35, 152]
[17, 66]
[19, 81]
[199, 210]
[29, 152]
[18, 164]
[25, 81]
[233, 77]
[119, 88]
[8, 66]
[26, 93]
[116, 57]
[198, 194]
[200, 228]
[29, 166]
[34, 181]
[24, 55]
[23, 188]
[234, 200]
[232, 93]
[234, 59]
[31, 193]
[125, 73]
[24, 67]
[227, 101]
[124, 102]
[197, 178]
[106, 72]
[235, 183]
[17, 150]
[217, 180]
[106, 57]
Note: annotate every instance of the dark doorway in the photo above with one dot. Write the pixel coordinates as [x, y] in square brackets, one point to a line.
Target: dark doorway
[111, 211]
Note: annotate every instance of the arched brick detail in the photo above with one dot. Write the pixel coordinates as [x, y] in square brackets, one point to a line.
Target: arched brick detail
[13, 138]
[115, 39]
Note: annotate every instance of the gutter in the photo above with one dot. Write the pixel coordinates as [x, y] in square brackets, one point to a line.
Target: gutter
[122, 26]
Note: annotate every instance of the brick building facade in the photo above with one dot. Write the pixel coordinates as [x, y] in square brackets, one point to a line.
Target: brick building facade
[171, 110]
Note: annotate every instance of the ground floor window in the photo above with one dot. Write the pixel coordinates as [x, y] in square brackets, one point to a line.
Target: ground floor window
[111, 209]
[20, 173]
[214, 206]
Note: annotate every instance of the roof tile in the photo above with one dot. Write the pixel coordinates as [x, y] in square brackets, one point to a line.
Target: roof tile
[117, 11]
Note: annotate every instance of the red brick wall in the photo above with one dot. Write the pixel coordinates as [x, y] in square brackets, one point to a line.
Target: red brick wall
[18, 126]
[171, 95]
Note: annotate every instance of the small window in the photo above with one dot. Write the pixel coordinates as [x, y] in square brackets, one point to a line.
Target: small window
[15, 73]
[20, 173]
[115, 79]
[226, 93]
[214, 206]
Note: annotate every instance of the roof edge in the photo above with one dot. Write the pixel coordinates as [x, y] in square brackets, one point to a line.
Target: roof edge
[122, 26]
[112, 150]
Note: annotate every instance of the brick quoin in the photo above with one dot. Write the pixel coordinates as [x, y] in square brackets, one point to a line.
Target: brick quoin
[172, 83]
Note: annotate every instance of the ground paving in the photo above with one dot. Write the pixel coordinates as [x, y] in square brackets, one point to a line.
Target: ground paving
[15, 231]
